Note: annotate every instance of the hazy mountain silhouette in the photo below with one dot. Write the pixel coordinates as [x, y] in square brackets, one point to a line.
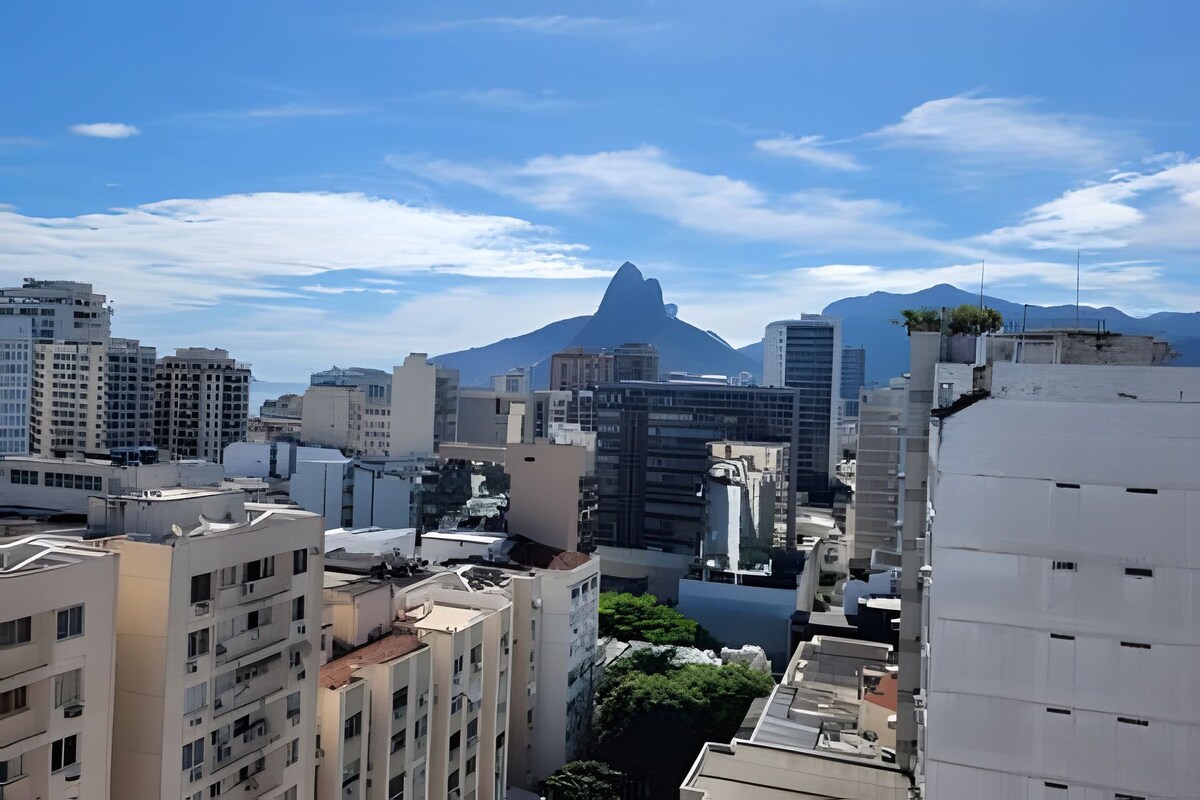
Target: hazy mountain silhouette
[631, 310]
[867, 321]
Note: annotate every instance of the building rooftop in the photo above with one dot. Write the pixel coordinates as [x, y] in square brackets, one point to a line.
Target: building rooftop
[448, 618]
[337, 673]
[39, 552]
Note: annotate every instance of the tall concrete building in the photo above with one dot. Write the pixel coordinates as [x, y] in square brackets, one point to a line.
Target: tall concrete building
[61, 311]
[57, 659]
[636, 361]
[202, 402]
[67, 400]
[414, 389]
[334, 416]
[806, 354]
[218, 632]
[1063, 643]
[854, 378]
[576, 368]
[652, 456]
[877, 493]
[552, 493]
[376, 388]
[560, 410]
[16, 370]
[129, 399]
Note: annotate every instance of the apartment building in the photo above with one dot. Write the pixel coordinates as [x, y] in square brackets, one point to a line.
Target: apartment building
[16, 369]
[67, 400]
[560, 411]
[57, 661]
[129, 400]
[576, 369]
[202, 402]
[636, 361]
[217, 637]
[552, 494]
[420, 708]
[60, 311]
[375, 385]
[334, 416]
[877, 500]
[1063, 645]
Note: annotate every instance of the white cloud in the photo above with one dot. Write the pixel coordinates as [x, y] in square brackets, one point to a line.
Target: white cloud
[808, 148]
[276, 112]
[1002, 129]
[198, 252]
[1146, 210]
[105, 130]
[317, 288]
[645, 180]
[510, 99]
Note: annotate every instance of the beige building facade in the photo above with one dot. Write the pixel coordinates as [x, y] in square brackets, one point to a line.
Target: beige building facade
[67, 396]
[202, 402]
[57, 660]
[334, 416]
[551, 493]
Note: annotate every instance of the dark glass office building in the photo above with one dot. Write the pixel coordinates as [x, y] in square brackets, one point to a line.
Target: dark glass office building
[652, 455]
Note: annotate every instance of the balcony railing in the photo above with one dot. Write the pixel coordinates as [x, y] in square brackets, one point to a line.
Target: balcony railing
[249, 641]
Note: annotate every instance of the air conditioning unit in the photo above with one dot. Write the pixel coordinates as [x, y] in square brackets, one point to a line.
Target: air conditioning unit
[72, 772]
[73, 710]
[201, 608]
[477, 666]
[191, 667]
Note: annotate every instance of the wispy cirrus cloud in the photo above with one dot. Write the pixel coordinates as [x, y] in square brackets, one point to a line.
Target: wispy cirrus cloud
[320, 289]
[1011, 129]
[507, 99]
[808, 148]
[19, 141]
[272, 113]
[645, 180]
[105, 130]
[200, 252]
[552, 25]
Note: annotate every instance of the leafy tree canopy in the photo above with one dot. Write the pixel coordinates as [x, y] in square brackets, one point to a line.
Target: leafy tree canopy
[641, 618]
[584, 780]
[964, 319]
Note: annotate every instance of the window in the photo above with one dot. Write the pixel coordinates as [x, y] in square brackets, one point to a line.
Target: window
[1067, 565]
[202, 587]
[1132, 721]
[399, 740]
[456, 704]
[16, 631]
[472, 730]
[476, 654]
[195, 698]
[12, 701]
[455, 740]
[215, 790]
[452, 781]
[68, 688]
[64, 752]
[70, 622]
[193, 754]
[458, 665]
[1136, 645]
[298, 609]
[293, 704]
[229, 576]
[350, 773]
[197, 643]
[256, 570]
[11, 770]
[1139, 572]
[293, 752]
[23, 477]
[353, 726]
[299, 561]
[422, 727]
[400, 702]
[396, 787]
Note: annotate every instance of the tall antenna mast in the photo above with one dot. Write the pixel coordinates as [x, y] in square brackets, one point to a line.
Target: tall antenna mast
[1076, 288]
[982, 267]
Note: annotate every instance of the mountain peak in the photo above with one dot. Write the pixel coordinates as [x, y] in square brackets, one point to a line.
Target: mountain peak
[632, 296]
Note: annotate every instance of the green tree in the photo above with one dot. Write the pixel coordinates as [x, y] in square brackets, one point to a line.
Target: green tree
[920, 320]
[971, 319]
[641, 618]
[584, 780]
[652, 725]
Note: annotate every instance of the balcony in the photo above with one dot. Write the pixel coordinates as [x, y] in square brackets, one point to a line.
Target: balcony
[254, 590]
[21, 725]
[250, 641]
[251, 688]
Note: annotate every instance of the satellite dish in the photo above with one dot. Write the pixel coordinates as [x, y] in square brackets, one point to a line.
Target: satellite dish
[178, 531]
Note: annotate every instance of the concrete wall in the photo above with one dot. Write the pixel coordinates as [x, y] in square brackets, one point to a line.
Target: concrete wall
[544, 491]
[414, 385]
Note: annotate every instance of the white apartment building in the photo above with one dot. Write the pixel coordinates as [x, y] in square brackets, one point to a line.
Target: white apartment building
[376, 388]
[201, 404]
[67, 398]
[333, 416]
[62, 311]
[877, 493]
[556, 627]
[217, 637]
[16, 370]
[57, 658]
[1063, 643]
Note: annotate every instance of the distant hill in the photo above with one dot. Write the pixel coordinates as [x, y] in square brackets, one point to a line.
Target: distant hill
[631, 310]
[867, 321]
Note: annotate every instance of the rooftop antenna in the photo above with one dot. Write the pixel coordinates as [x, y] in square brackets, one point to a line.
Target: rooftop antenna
[982, 266]
[1076, 288]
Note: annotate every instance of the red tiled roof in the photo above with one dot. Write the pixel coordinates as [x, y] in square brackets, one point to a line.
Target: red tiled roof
[568, 560]
[337, 672]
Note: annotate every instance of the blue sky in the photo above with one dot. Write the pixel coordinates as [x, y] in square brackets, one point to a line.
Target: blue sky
[315, 183]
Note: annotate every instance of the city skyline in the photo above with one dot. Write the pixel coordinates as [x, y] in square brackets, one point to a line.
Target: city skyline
[353, 188]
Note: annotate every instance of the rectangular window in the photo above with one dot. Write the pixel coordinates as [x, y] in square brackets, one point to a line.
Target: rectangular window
[195, 698]
[455, 740]
[399, 739]
[293, 704]
[472, 730]
[353, 726]
[1136, 645]
[68, 688]
[193, 754]
[452, 781]
[1067, 565]
[12, 701]
[299, 561]
[16, 631]
[471, 765]
[476, 654]
[293, 752]
[70, 622]
[1139, 572]
[197, 643]
[298, 609]
[456, 704]
[458, 665]
[396, 787]
[1132, 721]
[400, 702]
[202, 587]
[64, 752]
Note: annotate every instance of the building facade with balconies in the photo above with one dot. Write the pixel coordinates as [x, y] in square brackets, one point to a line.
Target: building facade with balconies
[57, 658]
[202, 402]
[218, 634]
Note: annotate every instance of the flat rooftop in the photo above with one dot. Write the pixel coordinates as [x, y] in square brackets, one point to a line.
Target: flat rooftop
[448, 618]
[337, 673]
